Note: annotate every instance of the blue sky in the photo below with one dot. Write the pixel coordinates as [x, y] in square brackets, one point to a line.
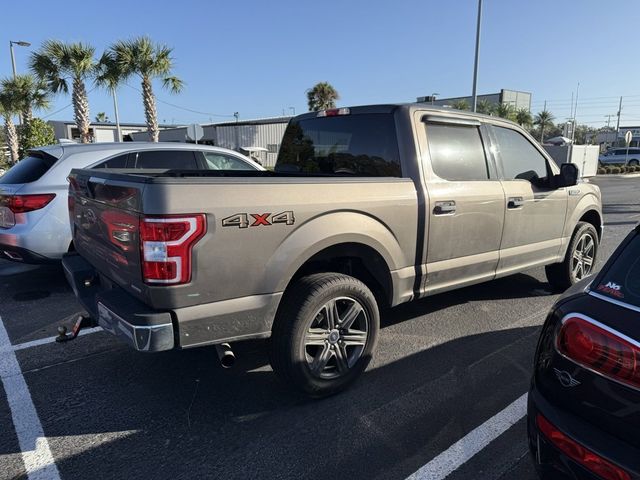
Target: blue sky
[258, 57]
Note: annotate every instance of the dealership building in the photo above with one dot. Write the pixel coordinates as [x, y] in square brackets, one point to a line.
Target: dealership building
[514, 98]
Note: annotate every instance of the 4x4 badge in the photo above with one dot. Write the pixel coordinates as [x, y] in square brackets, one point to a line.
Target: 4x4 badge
[566, 380]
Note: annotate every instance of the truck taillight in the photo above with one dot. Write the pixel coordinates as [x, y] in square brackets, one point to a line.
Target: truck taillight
[26, 203]
[600, 349]
[166, 244]
[333, 112]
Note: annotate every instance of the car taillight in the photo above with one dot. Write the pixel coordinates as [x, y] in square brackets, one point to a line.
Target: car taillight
[166, 244]
[600, 349]
[574, 450]
[26, 203]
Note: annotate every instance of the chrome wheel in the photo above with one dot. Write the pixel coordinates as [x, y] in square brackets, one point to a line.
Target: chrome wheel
[583, 257]
[336, 337]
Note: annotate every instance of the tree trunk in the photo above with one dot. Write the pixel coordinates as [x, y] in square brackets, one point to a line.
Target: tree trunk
[12, 138]
[81, 109]
[27, 116]
[150, 109]
[541, 133]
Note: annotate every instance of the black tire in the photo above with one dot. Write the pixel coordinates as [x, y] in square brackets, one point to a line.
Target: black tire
[634, 162]
[563, 275]
[305, 304]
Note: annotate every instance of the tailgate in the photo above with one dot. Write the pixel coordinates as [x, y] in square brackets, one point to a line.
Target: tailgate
[104, 211]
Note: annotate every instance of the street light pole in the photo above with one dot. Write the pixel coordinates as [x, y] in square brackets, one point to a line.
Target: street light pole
[474, 95]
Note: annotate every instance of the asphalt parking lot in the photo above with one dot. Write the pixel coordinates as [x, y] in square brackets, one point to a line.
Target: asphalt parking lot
[445, 366]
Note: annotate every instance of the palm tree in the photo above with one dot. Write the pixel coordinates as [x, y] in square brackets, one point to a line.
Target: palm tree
[504, 110]
[102, 117]
[460, 105]
[523, 117]
[149, 61]
[29, 92]
[485, 106]
[543, 119]
[9, 107]
[322, 97]
[56, 63]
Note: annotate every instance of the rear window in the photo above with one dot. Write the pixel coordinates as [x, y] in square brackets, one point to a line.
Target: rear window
[29, 169]
[621, 281]
[362, 145]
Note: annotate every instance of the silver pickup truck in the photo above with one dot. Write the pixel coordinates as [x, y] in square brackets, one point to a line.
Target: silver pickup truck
[368, 207]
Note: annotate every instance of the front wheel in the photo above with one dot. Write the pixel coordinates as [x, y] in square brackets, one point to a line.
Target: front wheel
[325, 333]
[579, 261]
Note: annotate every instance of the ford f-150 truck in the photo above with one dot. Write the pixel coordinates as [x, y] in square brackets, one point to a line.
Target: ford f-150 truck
[368, 207]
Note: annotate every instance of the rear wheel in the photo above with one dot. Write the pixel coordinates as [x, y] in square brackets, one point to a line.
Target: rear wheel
[325, 333]
[579, 261]
[634, 162]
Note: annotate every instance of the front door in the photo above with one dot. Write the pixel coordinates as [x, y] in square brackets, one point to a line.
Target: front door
[466, 205]
[535, 213]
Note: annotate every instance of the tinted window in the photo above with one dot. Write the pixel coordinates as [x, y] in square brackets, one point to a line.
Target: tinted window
[217, 161]
[116, 162]
[169, 159]
[457, 152]
[28, 169]
[619, 152]
[364, 145]
[520, 159]
[621, 281]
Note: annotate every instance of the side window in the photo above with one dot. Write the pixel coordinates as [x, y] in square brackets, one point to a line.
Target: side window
[457, 152]
[520, 159]
[218, 161]
[116, 162]
[169, 159]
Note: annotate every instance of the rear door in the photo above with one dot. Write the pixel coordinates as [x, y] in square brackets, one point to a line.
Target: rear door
[535, 212]
[466, 203]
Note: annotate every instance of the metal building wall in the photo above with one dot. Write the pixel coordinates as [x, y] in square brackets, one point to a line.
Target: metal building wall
[266, 135]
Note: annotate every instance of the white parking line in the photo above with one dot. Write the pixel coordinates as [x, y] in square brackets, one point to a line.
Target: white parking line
[36, 455]
[44, 341]
[472, 443]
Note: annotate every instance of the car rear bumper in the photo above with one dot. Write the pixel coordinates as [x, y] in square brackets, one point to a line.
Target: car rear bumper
[150, 330]
[23, 255]
[551, 463]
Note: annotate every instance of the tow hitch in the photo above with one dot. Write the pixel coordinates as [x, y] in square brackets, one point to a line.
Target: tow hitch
[80, 323]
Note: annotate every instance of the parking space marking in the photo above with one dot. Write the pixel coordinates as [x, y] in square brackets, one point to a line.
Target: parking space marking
[44, 341]
[36, 454]
[468, 446]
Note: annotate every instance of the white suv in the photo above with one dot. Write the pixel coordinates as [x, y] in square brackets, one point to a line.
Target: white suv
[34, 221]
[618, 156]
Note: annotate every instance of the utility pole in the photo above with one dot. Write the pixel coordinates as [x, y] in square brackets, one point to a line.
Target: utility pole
[474, 93]
[618, 122]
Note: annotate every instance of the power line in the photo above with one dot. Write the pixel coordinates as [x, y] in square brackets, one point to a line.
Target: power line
[209, 114]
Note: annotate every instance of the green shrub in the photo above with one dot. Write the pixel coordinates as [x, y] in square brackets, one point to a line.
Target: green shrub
[607, 170]
[623, 169]
[615, 170]
[602, 171]
[37, 134]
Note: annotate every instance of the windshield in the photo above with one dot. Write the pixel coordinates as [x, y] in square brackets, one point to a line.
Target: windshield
[29, 169]
[621, 281]
[364, 145]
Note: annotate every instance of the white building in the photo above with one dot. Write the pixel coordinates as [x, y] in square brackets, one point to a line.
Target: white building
[514, 98]
[99, 131]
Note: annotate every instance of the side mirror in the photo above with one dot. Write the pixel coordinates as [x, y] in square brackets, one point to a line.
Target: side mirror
[567, 177]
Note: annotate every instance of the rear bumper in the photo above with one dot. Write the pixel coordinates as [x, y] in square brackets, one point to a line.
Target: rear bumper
[23, 255]
[116, 311]
[150, 330]
[553, 464]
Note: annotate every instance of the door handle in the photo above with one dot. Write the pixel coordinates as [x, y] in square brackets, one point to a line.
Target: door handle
[445, 208]
[515, 202]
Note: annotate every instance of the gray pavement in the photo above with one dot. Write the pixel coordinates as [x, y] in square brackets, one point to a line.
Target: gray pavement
[444, 366]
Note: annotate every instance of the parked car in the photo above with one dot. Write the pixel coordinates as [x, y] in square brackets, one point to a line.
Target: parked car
[34, 221]
[367, 207]
[619, 156]
[584, 402]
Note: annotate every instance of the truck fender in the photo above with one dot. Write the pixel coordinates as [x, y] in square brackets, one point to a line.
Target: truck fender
[326, 231]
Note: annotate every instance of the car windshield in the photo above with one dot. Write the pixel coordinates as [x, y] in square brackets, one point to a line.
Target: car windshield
[29, 169]
[621, 281]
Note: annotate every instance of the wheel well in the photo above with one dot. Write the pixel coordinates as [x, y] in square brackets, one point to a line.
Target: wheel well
[354, 259]
[594, 219]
